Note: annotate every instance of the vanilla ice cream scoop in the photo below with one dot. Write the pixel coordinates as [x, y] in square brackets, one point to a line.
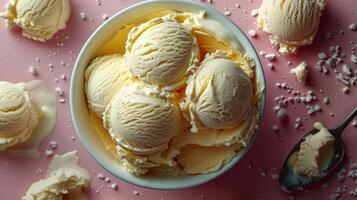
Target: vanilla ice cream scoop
[142, 118]
[290, 23]
[19, 115]
[105, 76]
[314, 151]
[218, 95]
[161, 51]
[38, 19]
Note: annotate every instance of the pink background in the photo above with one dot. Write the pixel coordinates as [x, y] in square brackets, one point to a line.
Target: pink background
[245, 181]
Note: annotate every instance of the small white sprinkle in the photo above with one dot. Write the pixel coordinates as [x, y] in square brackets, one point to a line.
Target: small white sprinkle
[275, 128]
[346, 90]
[83, 16]
[322, 56]
[59, 92]
[353, 27]
[327, 100]
[105, 17]
[255, 12]
[136, 193]
[49, 153]
[252, 33]
[114, 186]
[101, 176]
[107, 180]
[354, 123]
[53, 145]
[275, 176]
[63, 77]
[271, 57]
[354, 59]
[33, 71]
[62, 101]
[227, 13]
[264, 174]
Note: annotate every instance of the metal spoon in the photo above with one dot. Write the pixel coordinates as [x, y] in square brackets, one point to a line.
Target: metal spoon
[291, 181]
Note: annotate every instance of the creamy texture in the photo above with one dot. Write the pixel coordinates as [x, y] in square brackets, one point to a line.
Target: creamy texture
[201, 160]
[142, 118]
[27, 116]
[64, 180]
[38, 19]
[161, 52]
[313, 151]
[290, 23]
[301, 72]
[105, 76]
[218, 95]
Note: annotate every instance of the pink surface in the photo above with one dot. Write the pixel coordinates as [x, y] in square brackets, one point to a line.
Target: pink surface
[245, 181]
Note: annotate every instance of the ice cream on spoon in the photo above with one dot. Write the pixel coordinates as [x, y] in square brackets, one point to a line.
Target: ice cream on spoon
[314, 157]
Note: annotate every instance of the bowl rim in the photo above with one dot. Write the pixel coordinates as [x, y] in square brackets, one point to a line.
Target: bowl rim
[92, 152]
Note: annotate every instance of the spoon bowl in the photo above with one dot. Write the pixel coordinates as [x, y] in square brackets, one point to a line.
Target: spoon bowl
[291, 181]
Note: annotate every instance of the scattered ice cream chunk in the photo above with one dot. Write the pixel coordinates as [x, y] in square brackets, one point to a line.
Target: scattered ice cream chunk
[314, 152]
[64, 180]
[39, 20]
[218, 95]
[301, 72]
[142, 119]
[290, 24]
[162, 51]
[104, 77]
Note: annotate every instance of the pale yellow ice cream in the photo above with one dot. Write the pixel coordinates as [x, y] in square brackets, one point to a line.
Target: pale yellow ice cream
[314, 152]
[64, 180]
[202, 160]
[142, 118]
[300, 72]
[105, 76]
[218, 95]
[38, 19]
[290, 23]
[161, 51]
[19, 115]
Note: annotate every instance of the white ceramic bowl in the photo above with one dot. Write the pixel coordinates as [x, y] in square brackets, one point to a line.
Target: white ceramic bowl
[80, 113]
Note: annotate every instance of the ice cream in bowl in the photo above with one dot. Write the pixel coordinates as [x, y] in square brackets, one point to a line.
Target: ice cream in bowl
[167, 94]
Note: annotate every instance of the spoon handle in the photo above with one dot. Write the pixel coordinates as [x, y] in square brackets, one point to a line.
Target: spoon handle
[339, 130]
